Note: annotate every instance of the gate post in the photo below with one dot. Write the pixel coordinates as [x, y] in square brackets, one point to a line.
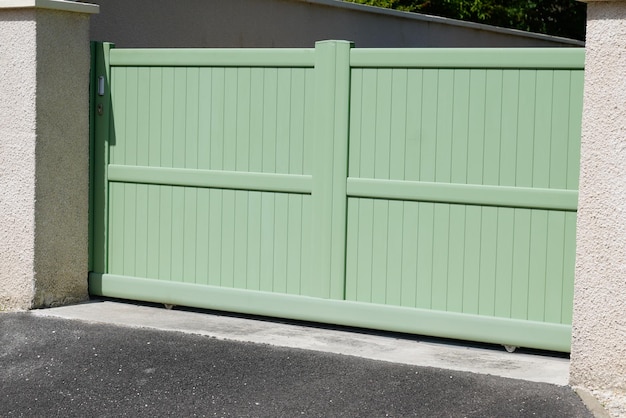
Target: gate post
[332, 71]
[44, 152]
[598, 359]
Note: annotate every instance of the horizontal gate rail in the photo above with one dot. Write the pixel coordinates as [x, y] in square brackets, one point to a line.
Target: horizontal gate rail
[528, 58]
[467, 194]
[213, 57]
[495, 330]
[218, 179]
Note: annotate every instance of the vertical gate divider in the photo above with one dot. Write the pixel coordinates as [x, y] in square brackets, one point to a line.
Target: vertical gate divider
[332, 77]
[102, 120]
[92, 117]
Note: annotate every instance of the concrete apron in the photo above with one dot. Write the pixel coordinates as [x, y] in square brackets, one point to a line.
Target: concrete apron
[415, 351]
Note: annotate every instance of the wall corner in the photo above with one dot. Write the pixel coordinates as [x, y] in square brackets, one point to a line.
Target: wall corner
[44, 163]
[598, 357]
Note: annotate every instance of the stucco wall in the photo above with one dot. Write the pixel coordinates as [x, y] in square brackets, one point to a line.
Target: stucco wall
[62, 152]
[17, 157]
[598, 360]
[44, 157]
[287, 23]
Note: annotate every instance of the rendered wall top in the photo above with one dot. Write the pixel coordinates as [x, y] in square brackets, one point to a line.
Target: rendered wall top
[68, 6]
[291, 23]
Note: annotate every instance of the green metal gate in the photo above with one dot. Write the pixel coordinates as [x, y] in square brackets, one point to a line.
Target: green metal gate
[428, 191]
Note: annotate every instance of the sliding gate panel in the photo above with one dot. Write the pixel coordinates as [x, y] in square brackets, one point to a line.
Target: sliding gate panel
[463, 187]
[210, 174]
[425, 191]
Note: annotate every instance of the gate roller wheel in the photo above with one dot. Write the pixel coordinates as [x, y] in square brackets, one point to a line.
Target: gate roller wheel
[510, 348]
[168, 306]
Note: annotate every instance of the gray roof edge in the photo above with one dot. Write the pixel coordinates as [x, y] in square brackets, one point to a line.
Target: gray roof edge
[444, 21]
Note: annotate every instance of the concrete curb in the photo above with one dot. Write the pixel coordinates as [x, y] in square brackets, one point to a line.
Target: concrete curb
[592, 403]
[411, 350]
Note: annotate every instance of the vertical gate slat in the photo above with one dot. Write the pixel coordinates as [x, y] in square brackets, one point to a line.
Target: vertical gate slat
[554, 268]
[569, 253]
[410, 248]
[471, 267]
[521, 264]
[504, 263]
[509, 127]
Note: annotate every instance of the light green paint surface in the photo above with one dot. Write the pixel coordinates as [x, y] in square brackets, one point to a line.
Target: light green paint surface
[456, 58]
[462, 185]
[210, 176]
[424, 191]
[366, 315]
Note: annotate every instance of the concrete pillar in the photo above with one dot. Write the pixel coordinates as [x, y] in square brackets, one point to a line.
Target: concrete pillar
[598, 359]
[44, 152]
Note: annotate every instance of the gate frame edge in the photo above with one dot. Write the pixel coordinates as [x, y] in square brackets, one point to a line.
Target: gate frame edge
[443, 324]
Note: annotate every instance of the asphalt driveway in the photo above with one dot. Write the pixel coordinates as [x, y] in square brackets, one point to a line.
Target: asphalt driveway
[62, 367]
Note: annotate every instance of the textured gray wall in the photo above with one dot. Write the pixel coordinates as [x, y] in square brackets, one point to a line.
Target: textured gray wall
[17, 157]
[62, 152]
[598, 360]
[44, 157]
[288, 23]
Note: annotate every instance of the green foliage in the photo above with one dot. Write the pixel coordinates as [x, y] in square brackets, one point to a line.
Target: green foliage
[553, 17]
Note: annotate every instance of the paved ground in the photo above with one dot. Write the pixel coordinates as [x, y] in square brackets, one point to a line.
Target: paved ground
[58, 366]
[397, 348]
